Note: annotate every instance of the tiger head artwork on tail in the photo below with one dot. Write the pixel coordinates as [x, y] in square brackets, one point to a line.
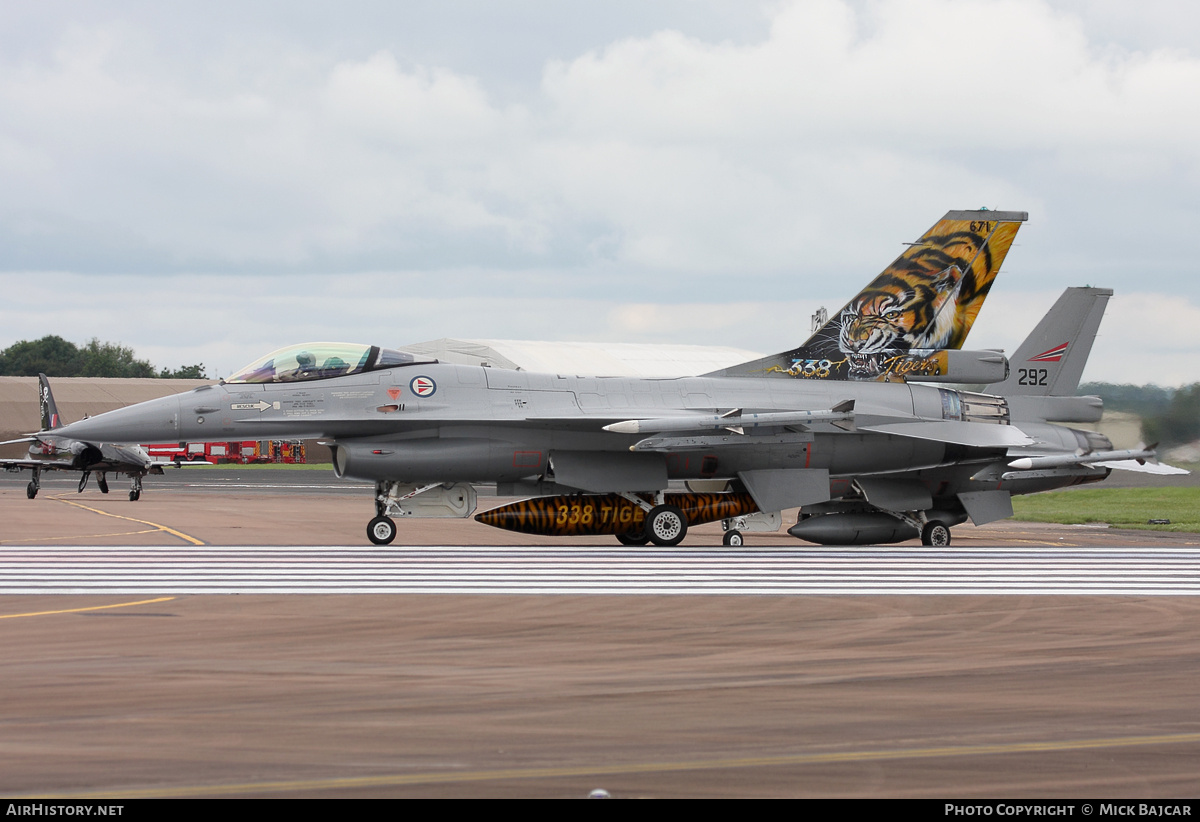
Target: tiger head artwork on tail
[922, 305]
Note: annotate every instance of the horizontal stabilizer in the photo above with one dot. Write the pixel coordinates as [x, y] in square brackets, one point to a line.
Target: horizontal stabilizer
[1143, 467]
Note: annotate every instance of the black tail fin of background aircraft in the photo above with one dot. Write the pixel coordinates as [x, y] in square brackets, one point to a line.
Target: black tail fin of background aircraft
[50, 418]
[927, 299]
[1050, 361]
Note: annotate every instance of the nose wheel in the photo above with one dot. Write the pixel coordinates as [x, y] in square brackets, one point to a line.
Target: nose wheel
[381, 530]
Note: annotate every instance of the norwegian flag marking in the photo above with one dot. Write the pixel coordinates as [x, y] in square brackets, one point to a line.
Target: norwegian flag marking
[1053, 355]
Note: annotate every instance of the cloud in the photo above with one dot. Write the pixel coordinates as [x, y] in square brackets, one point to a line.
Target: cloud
[666, 151]
[712, 179]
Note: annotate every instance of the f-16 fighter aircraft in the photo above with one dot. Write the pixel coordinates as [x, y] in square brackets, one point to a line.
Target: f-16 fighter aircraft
[833, 426]
[51, 451]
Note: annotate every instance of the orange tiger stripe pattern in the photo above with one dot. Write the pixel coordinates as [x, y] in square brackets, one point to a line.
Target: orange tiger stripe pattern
[930, 296]
[607, 514]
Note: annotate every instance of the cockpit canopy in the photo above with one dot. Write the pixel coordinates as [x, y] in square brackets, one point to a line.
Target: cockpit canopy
[321, 360]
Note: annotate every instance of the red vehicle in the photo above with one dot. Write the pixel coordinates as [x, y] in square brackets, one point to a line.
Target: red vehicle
[243, 452]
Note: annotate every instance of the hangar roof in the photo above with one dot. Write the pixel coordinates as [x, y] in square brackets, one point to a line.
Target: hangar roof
[585, 358]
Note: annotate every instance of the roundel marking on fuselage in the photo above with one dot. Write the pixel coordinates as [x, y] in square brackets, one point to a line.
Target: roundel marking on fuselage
[422, 386]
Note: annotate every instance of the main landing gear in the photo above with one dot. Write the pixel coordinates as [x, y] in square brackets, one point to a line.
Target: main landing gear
[936, 533]
[666, 525]
[34, 484]
[135, 487]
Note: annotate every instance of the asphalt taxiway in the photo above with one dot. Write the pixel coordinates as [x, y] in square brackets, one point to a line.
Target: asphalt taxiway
[169, 693]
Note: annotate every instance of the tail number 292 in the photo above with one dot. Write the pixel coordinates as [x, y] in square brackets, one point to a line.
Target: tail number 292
[1032, 376]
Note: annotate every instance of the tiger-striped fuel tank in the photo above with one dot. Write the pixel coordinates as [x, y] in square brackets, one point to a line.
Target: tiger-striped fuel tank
[596, 514]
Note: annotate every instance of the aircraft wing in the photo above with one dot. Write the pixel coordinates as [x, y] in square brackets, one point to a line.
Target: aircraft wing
[30, 438]
[158, 464]
[48, 465]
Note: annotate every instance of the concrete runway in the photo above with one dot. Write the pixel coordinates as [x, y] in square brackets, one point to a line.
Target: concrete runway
[1001, 696]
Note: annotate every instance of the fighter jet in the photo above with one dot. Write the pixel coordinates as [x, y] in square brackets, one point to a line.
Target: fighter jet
[1038, 392]
[837, 426]
[50, 450]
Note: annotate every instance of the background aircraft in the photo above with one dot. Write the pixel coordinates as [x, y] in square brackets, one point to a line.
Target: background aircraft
[50, 451]
[867, 457]
[875, 508]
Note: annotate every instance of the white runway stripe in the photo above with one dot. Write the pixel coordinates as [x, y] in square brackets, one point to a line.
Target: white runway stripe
[509, 570]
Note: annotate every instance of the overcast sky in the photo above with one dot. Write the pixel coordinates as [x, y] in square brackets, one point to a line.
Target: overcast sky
[207, 181]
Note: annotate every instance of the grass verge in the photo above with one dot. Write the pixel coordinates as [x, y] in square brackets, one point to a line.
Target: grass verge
[1119, 507]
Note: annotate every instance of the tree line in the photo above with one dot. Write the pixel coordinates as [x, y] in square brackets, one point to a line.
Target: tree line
[56, 357]
[1169, 415]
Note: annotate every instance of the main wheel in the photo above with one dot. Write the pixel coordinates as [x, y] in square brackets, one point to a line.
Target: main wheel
[31, 490]
[381, 530]
[102, 484]
[733, 538]
[632, 539]
[134, 496]
[936, 533]
[666, 525]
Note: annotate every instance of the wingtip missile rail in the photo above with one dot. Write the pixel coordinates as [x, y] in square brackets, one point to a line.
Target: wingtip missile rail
[1062, 460]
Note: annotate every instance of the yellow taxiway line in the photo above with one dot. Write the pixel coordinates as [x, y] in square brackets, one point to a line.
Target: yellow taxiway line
[153, 525]
[88, 608]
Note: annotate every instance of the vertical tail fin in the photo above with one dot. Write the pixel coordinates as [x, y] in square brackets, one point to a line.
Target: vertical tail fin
[50, 418]
[928, 298]
[1051, 360]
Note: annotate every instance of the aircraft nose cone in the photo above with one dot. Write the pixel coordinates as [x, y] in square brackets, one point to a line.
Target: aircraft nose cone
[152, 421]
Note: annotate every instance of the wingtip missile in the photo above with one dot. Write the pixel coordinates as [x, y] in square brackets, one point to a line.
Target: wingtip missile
[1062, 460]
